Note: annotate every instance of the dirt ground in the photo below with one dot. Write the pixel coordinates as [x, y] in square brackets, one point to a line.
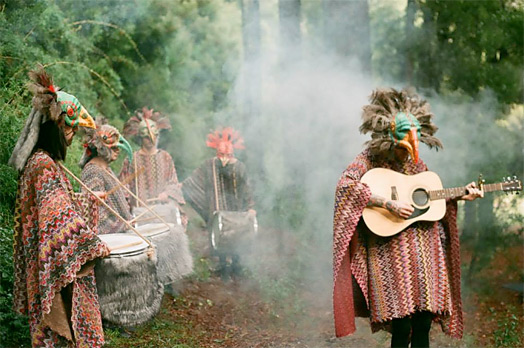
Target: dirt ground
[232, 315]
[238, 313]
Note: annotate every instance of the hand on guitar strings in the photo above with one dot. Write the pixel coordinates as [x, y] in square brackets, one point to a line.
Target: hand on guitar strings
[398, 208]
[472, 192]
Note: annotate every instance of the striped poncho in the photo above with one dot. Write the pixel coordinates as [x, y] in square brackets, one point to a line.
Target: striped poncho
[213, 187]
[98, 179]
[155, 173]
[54, 280]
[415, 270]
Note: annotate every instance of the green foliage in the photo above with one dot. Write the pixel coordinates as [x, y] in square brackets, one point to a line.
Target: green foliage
[157, 333]
[451, 45]
[478, 46]
[14, 329]
[115, 56]
[508, 334]
[181, 57]
[202, 269]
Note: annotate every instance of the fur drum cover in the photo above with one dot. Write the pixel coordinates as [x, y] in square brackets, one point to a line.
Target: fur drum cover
[174, 257]
[129, 290]
[169, 212]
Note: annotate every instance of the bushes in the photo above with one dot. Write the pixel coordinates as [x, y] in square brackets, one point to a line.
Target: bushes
[14, 329]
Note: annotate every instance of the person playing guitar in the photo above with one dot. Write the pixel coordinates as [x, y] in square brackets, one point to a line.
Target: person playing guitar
[405, 281]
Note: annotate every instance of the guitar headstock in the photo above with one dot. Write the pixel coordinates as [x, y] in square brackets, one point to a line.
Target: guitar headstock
[511, 184]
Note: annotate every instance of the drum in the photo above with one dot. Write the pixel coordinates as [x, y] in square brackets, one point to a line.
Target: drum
[174, 256]
[232, 230]
[169, 212]
[129, 290]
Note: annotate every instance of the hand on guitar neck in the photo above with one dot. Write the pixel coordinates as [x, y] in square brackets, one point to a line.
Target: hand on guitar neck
[472, 192]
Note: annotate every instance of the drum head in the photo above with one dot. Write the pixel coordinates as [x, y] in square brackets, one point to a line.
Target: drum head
[123, 244]
[154, 229]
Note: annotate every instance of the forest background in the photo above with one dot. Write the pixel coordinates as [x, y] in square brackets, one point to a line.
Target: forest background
[292, 76]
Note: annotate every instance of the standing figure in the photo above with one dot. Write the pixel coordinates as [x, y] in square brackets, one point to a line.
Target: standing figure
[102, 146]
[221, 184]
[155, 179]
[54, 246]
[152, 177]
[406, 281]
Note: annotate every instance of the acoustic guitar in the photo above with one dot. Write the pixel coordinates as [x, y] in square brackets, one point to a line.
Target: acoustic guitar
[423, 191]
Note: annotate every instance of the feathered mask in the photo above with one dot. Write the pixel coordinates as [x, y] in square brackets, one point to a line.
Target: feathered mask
[52, 102]
[102, 141]
[49, 103]
[146, 123]
[225, 141]
[398, 118]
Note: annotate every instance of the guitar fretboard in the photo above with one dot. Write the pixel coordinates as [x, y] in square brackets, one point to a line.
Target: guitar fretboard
[461, 191]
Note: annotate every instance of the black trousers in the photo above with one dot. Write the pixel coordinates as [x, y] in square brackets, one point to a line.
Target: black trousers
[414, 329]
[229, 270]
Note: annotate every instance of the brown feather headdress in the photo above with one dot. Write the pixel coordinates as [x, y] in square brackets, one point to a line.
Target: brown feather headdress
[45, 107]
[44, 91]
[145, 121]
[385, 104]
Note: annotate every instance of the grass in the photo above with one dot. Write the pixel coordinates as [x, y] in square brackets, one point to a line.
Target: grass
[162, 331]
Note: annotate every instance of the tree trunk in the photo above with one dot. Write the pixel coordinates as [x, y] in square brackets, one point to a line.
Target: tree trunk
[346, 30]
[252, 73]
[290, 36]
[409, 34]
[428, 69]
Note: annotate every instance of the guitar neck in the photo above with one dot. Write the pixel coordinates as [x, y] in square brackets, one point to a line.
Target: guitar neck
[461, 191]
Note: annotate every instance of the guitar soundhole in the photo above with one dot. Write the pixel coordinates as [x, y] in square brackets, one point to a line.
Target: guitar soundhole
[420, 197]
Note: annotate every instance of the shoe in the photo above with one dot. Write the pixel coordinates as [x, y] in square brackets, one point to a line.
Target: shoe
[225, 273]
[171, 290]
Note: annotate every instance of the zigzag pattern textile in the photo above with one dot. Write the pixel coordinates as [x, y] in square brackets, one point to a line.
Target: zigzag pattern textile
[156, 174]
[233, 188]
[51, 244]
[97, 179]
[416, 270]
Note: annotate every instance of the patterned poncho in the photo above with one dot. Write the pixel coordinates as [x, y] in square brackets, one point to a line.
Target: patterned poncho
[232, 188]
[97, 179]
[415, 270]
[156, 174]
[53, 247]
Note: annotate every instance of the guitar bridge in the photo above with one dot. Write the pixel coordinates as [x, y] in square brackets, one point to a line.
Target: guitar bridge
[394, 193]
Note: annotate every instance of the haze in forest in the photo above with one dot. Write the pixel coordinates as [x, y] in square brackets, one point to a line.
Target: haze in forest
[306, 132]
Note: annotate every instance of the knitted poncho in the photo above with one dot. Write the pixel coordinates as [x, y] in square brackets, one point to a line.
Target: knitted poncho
[417, 269]
[229, 184]
[52, 243]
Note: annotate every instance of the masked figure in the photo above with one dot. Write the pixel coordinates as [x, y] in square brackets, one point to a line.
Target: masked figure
[406, 281]
[102, 146]
[152, 176]
[55, 242]
[153, 170]
[221, 183]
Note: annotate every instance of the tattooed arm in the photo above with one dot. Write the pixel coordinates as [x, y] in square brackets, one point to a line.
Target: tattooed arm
[397, 208]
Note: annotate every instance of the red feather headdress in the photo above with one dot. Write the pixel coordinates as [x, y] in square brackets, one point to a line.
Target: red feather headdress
[226, 135]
